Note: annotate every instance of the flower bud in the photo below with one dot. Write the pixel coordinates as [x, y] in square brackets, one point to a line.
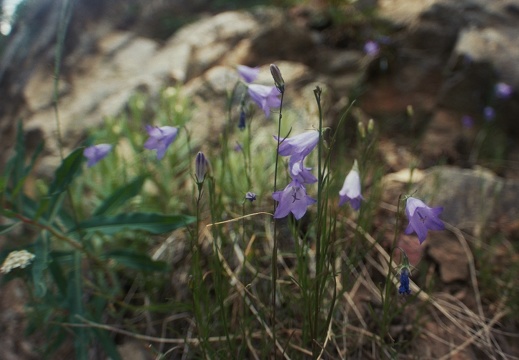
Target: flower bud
[362, 129]
[278, 79]
[371, 126]
[201, 167]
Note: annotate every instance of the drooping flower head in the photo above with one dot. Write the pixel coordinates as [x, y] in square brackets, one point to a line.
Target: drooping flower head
[293, 199]
[96, 153]
[350, 191]
[160, 138]
[371, 48]
[489, 113]
[298, 171]
[503, 90]
[422, 218]
[265, 97]
[250, 196]
[299, 146]
[467, 121]
[247, 73]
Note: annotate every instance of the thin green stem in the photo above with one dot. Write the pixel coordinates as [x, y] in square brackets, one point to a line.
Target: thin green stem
[320, 218]
[275, 240]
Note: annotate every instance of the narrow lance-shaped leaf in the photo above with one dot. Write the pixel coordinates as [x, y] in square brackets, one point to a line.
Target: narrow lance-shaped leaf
[66, 172]
[137, 261]
[150, 222]
[120, 196]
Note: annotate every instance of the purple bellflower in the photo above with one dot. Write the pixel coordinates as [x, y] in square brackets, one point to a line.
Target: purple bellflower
[250, 196]
[95, 153]
[160, 138]
[350, 191]
[489, 113]
[293, 199]
[265, 97]
[299, 146]
[503, 90]
[248, 74]
[422, 218]
[404, 281]
[467, 121]
[299, 172]
[371, 48]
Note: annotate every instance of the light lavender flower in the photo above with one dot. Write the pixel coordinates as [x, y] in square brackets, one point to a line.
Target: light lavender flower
[467, 121]
[250, 196]
[489, 113]
[247, 73]
[503, 90]
[299, 146]
[265, 97]
[298, 171]
[371, 48]
[96, 153]
[160, 139]
[350, 191]
[293, 199]
[422, 218]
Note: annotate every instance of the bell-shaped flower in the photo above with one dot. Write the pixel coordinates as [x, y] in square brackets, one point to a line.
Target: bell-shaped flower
[160, 138]
[489, 113]
[299, 146]
[422, 218]
[503, 90]
[293, 199]
[298, 171]
[350, 191]
[247, 73]
[250, 196]
[265, 97]
[371, 48]
[467, 121]
[95, 153]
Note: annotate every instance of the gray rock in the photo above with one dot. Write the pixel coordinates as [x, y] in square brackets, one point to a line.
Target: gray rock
[472, 200]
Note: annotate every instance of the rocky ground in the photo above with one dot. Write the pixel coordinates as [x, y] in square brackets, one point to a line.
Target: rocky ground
[437, 62]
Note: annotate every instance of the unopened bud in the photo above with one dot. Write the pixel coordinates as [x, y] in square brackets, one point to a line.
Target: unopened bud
[362, 129]
[410, 110]
[201, 167]
[371, 126]
[278, 79]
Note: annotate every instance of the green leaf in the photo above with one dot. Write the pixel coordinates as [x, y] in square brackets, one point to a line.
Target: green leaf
[150, 222]
[66, 172]
[39, 264]
[105, 339]
[120, 196]
[135, 260]
[6, 228]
